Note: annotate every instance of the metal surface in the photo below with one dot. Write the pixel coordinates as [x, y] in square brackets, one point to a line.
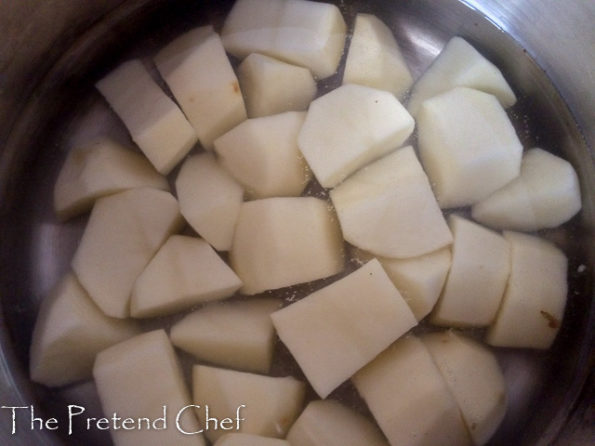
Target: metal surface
[546, 49]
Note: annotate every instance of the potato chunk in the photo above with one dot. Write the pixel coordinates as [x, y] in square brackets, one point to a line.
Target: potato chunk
[210, 199]
[335, 331]
[477, 278]
[154, 121]
[137, 378]
[203, 82]
[545, 195]
[305, 33]
[271, 404]
[70, 330]
[388, 208]
[533, 305]
[249, 440]
[419, 279]
[124, 231]
[328, 423]
[475, 380]
[280, 242]
[374, 58]
[460, 65]
[239, 335]
[349, 127]
[272, 86]
[101, 168]
[185, 271]
[467, 145]
[409, 399]
[262, 154]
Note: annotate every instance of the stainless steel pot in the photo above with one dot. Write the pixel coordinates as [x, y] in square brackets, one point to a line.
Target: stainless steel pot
[52, 51]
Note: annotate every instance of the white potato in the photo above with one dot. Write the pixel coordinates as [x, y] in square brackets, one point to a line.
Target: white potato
[374, 58]
[409, 399]
[154, 121]
[477, 277]
[280, 242]
[467, 145]
[262, 154]
[210, 199]
[249, 440]
[271, 404]
[533, 305]
[271, 86]
[70, 330]
[460, 65]
[388, 208]
[363, 309]
[328, 423]
[300, 32]
[184, 272]
[136, 378]
[200, 76]
[545, 195]
[350, 127]
[419, 279]
[101, 168]
[124, 231]
[475, 380]
[237, 334]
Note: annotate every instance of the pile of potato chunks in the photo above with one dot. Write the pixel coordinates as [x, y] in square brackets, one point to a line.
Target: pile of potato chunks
[265, 135]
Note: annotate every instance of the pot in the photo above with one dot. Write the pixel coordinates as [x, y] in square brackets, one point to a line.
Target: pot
[52, 52]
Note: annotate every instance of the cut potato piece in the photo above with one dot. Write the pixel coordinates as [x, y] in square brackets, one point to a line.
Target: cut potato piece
[270, 404]
[123, 233]
[154, 121]
[249, 440]
[280, 242]
[409, 399]
[374, 58]
[300, 32]
[545, 195]
[70, 330]
[271, 86]
[184, 272]
[239, 335]
[349, 127]
[101, 168]
[335, 331]
[263, 155]
[210, 199]
[328, 423]
[533, 306]
[467, 145]
[203, 82]
[475, 380]
[460, 65]
[419, 279]
[141, 378]
[477, 278]
[388, 208]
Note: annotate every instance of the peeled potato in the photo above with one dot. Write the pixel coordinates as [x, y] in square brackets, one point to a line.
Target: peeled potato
[374, 58]
[300, 32]
[200, 76]
[349, 127]
[467, 146]
[545, 195]
[363, 309]
[154, 121]
[460, 65]
[272, 86]
[70, 329]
